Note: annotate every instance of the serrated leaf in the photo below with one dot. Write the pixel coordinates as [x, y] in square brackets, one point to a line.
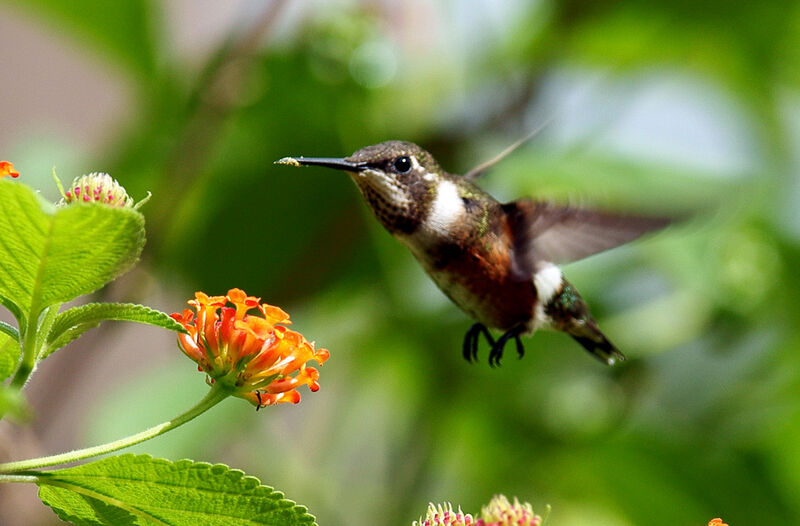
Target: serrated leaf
[9, 355]
[71, 323]
[141, 490]
[51, 255]
[61, 501]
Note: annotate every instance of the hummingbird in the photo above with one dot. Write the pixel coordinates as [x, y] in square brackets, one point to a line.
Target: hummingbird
[498, 262]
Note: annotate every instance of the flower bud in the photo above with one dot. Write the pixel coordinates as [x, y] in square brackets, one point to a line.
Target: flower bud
[97, 188]
[443, 515]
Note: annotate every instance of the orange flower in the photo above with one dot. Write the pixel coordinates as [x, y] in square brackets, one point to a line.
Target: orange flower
[716, 522]
[7, 168]
[259, 360]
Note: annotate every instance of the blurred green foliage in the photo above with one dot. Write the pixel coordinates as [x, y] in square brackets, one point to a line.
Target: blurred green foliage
[704, 418]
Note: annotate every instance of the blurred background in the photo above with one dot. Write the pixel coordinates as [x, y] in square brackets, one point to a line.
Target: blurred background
[647, 105]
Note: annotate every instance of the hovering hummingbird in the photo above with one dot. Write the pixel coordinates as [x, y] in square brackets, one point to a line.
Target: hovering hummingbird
[497, 261]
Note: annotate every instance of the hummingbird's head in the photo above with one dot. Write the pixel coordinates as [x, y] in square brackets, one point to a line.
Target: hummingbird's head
[397, 179]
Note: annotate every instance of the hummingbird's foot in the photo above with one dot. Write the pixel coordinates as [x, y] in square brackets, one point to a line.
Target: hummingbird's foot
[470, 348]
[499, 346]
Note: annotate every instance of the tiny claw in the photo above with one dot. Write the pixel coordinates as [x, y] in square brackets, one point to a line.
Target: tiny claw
[467, 347]
[499, 346]
[496, 353]
[476, 338]
[520, 347]
[472, 339]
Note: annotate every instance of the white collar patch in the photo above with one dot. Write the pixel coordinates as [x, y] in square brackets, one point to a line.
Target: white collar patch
[447, 208]
[548, 282]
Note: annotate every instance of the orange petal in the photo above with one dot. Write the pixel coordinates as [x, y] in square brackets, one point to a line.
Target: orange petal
[309, 375]
[185, 318]
[7, 168]
[242, 301]
[258, 327]
[274, 314]
[200, 298]
[203, 299]
[313, 376]
[282, 398]
[226, 325]
[239, 296]
[207, 322]
[264, 399]
[236, 295]
[189, 346]
[321, 355]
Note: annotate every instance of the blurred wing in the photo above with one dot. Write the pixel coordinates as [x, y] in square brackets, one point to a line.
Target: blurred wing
[559, 234]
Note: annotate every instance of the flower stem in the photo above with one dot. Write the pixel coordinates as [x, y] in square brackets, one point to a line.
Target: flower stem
[217, 393]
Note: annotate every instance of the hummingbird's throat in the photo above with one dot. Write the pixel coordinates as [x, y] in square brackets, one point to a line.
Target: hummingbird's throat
[388, 200]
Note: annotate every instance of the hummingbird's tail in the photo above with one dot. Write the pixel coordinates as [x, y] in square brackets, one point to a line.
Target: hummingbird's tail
[568, 312]
[599, 346]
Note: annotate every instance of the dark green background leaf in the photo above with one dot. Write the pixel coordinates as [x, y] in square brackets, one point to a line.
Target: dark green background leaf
[124, 32]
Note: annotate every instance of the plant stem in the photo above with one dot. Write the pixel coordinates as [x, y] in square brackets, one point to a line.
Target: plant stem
[212, 398]
[28, 344]
[32, 337]
[19, 478]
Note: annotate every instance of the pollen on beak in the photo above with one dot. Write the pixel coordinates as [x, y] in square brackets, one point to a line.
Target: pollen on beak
[289, 161]
[328, 162]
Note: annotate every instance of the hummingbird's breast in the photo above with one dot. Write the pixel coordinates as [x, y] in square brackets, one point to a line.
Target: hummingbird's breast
[466, 247]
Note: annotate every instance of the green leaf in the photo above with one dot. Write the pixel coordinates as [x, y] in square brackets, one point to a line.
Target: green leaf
[9, 352]
[71, 323]
[141, 490]
[14, 309]
[46, 321]
[50, 255]
[9, 330]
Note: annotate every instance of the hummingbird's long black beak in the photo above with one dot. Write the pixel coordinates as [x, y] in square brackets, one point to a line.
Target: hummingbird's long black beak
[328, 162]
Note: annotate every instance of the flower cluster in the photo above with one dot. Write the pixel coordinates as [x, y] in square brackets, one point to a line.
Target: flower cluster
[499, 512]
[443, 515]
[716, 522]
[97, 188]
[7, 168]
[256, 358]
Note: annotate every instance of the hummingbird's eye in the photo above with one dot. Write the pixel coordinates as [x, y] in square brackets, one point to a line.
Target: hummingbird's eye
[402, 164]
